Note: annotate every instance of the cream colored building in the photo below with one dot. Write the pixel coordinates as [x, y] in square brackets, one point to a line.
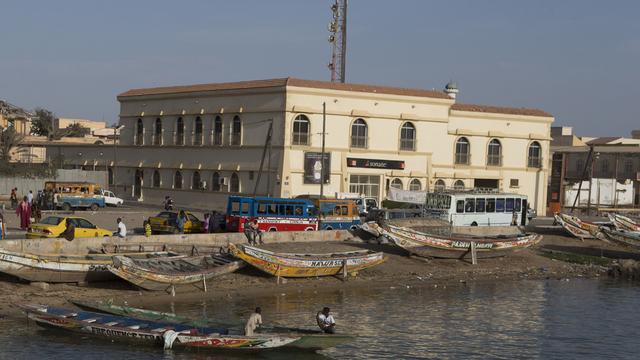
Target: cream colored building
[201, 143]
[92, 125]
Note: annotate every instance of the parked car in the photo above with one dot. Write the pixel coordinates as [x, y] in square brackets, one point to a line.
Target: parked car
[165, 222]
[54, 226]
[110, 198]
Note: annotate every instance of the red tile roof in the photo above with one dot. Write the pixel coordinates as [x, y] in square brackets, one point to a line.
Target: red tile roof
[500, 110]
[255, 84]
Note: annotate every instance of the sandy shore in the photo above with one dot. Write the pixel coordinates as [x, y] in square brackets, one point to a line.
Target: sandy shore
[399, 270]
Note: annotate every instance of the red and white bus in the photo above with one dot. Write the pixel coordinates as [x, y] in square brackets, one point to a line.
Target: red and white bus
[273, 214]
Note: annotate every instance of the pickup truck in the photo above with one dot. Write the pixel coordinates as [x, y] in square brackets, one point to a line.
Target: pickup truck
[68, 202]
[110, 198]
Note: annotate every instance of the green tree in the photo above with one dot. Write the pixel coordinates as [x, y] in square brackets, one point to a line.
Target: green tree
[43, 123]
[76, 130]
[10, 141]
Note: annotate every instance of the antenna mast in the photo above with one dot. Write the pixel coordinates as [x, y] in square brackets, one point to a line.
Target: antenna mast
[338, 40]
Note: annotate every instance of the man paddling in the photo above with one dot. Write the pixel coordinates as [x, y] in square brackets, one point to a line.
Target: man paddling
[255, 320]
[326, 321]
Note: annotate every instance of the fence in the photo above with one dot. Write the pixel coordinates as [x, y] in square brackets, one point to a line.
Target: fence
[25, 184]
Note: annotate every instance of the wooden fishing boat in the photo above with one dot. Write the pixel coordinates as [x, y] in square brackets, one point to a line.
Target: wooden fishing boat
[166, 274]
[624, 237]
[622, 222]
[576, 227]
[306, 265]
[309, 339]
[61, 268]
[455, 247]
[127, 329]
[185, 249]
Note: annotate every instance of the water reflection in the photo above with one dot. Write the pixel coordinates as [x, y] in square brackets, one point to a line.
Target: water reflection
[523, 319]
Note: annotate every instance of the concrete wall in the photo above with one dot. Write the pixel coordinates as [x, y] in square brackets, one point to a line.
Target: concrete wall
[81, 245]
[26, 184]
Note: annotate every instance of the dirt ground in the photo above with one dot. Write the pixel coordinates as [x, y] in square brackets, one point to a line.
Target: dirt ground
[399, 269]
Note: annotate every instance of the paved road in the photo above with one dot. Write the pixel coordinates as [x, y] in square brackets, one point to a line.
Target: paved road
[132, 215]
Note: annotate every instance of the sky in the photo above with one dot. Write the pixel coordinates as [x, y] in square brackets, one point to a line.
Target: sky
[577, 59]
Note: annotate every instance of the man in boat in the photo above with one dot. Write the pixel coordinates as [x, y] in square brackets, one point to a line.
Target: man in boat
[255, 320]
[325, 320]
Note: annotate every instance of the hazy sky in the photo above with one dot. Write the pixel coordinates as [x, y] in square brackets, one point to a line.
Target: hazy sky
[575, 59]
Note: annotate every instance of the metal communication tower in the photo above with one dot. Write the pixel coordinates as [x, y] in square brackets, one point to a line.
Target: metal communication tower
[338, 40]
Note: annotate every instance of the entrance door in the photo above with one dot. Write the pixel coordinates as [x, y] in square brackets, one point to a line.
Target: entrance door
[137, 190]
[367, 185]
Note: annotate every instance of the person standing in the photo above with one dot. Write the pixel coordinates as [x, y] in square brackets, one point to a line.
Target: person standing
[36, 212]
[69, 232]
[122, 229]
[325, 320]
[147, 228]
[1, 226]
[180, 221]
[24, 212]
[255, 320]
[205, 222]
[56, 199]
[30, 197]
[14, 198]
[257, 233]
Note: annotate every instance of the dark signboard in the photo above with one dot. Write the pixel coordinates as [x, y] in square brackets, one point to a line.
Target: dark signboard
[375, 163]
[313, 167]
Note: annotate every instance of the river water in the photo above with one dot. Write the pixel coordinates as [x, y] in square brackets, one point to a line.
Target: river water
[533, 319]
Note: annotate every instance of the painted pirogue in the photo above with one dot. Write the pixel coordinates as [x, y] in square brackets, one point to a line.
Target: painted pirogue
[168, 273]
[622, 222]
[62, 268]
[306, 265]
[576, 227]
[127, 329]
[456, 247]
[309, 339]
[624, 237]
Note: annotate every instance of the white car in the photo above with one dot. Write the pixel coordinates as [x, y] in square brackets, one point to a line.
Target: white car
[111, 199]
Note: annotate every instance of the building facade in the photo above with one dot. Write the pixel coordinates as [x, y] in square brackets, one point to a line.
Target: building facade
[201, 143]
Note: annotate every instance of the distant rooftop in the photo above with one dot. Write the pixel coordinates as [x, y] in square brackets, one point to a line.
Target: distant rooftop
[316, 84]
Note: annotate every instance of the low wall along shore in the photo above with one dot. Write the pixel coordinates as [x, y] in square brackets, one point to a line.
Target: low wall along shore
[81, 245]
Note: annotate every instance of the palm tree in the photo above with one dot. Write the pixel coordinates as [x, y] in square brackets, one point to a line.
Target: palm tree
[10, 141]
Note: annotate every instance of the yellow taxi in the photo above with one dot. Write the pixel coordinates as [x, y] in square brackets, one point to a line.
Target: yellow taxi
[54, 226]
[165, 222]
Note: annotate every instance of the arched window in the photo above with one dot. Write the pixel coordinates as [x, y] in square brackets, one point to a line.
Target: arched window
[458, 185]
[217, 131]
[215, 182]
[195, 180]
[408, 137]
[236, 131]
[494, 153]
[179, 132]
[177, 180]
[535, 155]
[110, 175]
[139, 132]
[198, 132]
[234, 184]
[156, 178]
[300, 130]
[396, 183]
[157, 132]
[462, 151]
[439, 185]
[415, 185]
[359, 133]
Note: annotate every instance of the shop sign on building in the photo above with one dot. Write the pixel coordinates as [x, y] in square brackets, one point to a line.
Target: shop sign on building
[375, 164]
[313, 167]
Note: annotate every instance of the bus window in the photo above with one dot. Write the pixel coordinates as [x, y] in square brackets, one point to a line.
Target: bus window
[491, 205]
[460, 206]
[298, 210]
[289, 210]
[262, 208]
[518, 206]
[235, 207]
[509, 205]
[479, 205]
[499, 205]
[272, 210]
[469, 205]
[245, 208]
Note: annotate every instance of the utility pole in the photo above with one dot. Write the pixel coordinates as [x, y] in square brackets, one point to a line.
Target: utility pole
[338, 40]
[324, 127]
[267, 148]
